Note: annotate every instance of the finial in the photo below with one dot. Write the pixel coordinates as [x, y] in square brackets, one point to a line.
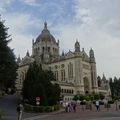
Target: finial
[27, 54]
[83, 49]
[33, 41]
[45, 25]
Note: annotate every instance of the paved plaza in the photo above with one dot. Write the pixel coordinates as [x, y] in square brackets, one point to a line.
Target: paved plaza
[103, 114]
[8, 104]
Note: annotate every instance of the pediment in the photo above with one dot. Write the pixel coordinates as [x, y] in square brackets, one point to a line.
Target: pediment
[70, 54]
[85, 56]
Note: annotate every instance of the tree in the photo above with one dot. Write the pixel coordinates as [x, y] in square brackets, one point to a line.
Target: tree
[115, 87]
[8, 64]
[38, 83]
[76, 97]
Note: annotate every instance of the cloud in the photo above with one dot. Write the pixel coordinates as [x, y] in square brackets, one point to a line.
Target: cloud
[20, 27]
[22, 23]
[97, 27]
[4, 4]
[30, 2]
[95, 23]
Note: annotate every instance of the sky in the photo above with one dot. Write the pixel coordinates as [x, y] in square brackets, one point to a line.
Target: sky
[94, 23]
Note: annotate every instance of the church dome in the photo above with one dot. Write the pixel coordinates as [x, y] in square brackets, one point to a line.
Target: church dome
[45, 35]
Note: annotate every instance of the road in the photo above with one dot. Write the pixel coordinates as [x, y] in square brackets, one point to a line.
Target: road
[8, 104]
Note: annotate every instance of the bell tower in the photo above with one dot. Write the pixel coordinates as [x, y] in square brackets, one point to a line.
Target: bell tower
[93, 71]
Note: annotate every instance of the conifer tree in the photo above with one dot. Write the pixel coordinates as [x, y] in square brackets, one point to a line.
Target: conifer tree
[38, 83]
[7, 60]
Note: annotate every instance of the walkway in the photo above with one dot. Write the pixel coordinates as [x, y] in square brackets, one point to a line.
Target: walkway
[8, 105]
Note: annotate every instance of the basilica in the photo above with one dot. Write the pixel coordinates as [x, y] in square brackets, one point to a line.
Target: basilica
[75, 71]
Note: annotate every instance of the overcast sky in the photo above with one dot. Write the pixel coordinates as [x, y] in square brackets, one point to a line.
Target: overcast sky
[95, 23]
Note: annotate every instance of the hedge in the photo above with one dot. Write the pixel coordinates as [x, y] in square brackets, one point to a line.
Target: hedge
[2, 93]
[41, 109]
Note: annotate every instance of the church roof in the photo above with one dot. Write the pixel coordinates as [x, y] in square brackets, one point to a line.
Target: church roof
[45, 35]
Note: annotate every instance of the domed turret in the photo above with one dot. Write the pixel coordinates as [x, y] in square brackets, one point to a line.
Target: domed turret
[45, 48]
[91, 54]
[77, 46]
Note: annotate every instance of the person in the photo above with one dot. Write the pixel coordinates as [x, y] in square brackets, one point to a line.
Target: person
[74, 107]
[66, 107]
[19, 111]
[97, 103]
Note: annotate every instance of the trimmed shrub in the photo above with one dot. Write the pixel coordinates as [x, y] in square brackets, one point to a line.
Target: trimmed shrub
[56, 107]
[41, 109]
[48, 109]
[2, 93]
[28, 107]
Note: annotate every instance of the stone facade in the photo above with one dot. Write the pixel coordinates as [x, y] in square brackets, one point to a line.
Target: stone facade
[104, 87]
[75, 71]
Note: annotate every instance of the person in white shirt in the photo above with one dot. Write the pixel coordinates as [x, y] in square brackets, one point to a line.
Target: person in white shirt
[97, 104]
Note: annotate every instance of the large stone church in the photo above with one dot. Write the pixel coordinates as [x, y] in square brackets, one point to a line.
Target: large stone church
[75, 71]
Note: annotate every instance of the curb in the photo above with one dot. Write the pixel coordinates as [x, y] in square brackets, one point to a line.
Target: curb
[43, 116]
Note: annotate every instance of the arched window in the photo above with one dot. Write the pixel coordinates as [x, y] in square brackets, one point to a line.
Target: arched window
[63, 75]
[56, 75]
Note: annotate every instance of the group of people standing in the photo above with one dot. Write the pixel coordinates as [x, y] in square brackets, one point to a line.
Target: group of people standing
[70, 107]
